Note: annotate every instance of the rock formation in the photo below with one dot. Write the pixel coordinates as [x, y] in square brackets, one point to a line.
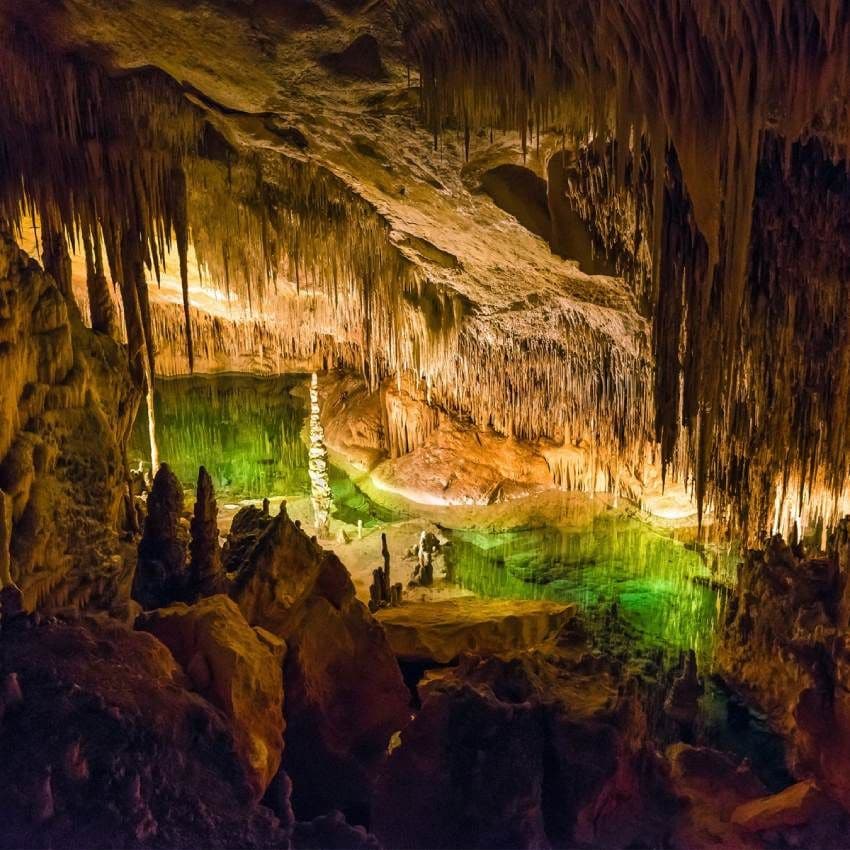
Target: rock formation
[161, 575]
[382, 592]
[107, 747]
[320, 488]
[67, 407]
[783, 646]
[492, 760]
[344, 691]
[206, 572]
[236, 669]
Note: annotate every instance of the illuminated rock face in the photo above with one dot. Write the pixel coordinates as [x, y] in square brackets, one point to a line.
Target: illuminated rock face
[234, 669]
[66, 407]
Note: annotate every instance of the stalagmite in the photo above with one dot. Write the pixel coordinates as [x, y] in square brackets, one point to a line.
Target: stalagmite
[320, 488]
[161, 576]
[382, 592]
[206, 573]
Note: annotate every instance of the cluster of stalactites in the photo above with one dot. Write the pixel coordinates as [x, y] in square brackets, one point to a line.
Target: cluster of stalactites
[699, 81]
[136, 170]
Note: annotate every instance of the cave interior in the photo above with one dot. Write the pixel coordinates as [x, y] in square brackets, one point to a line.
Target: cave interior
[425, 424]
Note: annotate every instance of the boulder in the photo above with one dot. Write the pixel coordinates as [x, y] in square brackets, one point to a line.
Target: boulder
[104, 745]
[524, 750]
[345, 696]
[795, 806]
[236, 669]
[440, 631]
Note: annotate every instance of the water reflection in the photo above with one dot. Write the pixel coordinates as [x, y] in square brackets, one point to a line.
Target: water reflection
[639, 589]
[247, 431]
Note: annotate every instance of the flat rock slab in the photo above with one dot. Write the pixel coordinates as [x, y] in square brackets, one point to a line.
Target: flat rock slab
[441, 631]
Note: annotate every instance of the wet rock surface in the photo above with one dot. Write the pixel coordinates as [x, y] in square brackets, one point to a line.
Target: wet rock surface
[441, 631]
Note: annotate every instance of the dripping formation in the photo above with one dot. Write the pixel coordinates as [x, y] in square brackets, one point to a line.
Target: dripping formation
[752, 89]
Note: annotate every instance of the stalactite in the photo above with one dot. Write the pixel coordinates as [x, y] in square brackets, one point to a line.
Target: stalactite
[101, 309]
[181, 229]
[56, 259]
[701, 87]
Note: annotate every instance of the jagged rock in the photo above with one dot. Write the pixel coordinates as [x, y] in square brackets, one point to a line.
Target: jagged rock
[206, 571]
[783, 647]
[441, 631]
[682, 703]
[110, 738]
[712, 785]
[521, 751]
[247, 526]
[795, 806]
[161, 577]
[235, 669]
[344, 692]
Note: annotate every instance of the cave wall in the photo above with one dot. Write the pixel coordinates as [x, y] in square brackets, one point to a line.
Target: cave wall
[67, 408]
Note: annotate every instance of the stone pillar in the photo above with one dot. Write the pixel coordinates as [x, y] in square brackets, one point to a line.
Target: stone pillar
[320, 488]
[206, 572]
[161, 576]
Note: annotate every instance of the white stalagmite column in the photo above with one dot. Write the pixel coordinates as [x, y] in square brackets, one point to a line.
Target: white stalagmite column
[320, 488]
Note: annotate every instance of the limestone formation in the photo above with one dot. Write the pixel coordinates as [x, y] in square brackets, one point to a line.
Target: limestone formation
[161, 575]
[506, 765]
[783, 644]
[382, 592]
[110, 738]
[206, 572]
[247, 527]
[344, 691]
[232, 667]
[439, 632]
[320, 488]
[67, 407]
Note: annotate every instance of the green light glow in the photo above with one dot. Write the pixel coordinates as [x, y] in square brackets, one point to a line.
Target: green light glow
[247, 431]
[640, 590]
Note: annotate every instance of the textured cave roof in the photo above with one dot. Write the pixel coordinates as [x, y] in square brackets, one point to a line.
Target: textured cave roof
[268, 69]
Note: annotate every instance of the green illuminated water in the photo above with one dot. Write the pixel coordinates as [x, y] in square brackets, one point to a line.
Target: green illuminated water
[247, 431]
[644, 597]
[640, 590]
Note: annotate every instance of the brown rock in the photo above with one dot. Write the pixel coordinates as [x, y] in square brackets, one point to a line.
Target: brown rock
[111, 748]
[521, 751]
[441, 631]
[232, 667]
[206, 572]
[161, 576]
[795, 806]
[345, 695]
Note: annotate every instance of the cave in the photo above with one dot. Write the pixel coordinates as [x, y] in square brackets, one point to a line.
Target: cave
[424, 424]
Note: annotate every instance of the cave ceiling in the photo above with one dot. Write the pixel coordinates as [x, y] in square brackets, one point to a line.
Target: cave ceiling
[426, 187]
